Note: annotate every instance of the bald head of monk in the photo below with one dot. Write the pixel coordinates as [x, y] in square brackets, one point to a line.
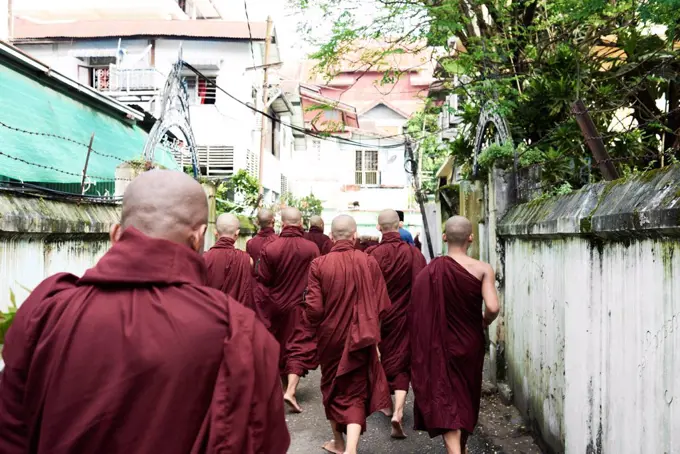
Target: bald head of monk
[291, 217]
[265, 219]
[227, 226]
[458, 232]
[388, 221]
[316, 221]
[165, 204]
[344, 227]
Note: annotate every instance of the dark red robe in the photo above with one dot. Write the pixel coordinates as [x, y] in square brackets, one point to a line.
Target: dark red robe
[138, 356]
[322, 241]
[447, 347]
[400, 264]
[230, 271]
[345, 301]
[254, 245]
[282, 270]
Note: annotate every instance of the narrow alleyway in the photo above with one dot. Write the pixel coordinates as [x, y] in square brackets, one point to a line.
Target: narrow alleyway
[310, 430]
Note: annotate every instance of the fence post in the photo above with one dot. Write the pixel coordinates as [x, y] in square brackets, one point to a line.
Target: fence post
[87, 161]
[594, 141]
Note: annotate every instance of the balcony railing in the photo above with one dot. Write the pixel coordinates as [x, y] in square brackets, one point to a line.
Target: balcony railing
[114, 79]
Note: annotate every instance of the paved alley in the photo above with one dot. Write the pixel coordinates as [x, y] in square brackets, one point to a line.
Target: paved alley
[310, 430]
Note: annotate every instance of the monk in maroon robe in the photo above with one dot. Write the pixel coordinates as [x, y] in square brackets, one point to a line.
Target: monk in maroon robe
[230, 270]
[346, 300]
[400, 263]
[447, 338]
[265, 220]
[138, 356]
[283, 269]
[316, 235]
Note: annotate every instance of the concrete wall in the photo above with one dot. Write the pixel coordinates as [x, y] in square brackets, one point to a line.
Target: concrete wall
[41, 237]
[592, 315]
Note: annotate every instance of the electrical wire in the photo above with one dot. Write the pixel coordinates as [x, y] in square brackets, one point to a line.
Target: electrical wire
[288, 125]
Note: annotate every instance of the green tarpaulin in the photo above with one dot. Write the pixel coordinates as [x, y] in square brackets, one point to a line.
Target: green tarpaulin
[30, 105]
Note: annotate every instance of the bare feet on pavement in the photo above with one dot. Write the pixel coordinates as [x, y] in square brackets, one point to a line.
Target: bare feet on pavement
[292, 404]
[397, 430]
[334, 447]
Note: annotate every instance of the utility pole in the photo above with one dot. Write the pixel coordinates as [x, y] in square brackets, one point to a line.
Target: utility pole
[594, 141]
[265, 95]
[419, 195]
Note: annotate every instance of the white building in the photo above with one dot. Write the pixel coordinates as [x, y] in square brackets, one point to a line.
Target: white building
[130, 59]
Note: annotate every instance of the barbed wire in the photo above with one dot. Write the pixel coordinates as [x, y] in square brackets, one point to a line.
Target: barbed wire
[65, 172]
[56, 136]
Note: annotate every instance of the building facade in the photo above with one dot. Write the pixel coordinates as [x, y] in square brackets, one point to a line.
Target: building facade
[130, 59]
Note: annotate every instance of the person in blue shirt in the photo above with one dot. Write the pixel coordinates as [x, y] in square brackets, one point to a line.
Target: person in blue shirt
[405, 234]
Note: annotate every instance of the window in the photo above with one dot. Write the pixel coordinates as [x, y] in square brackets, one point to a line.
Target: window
[366, 168]
[200, 91]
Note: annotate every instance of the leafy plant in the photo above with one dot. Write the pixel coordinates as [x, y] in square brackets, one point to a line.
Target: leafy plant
[309, 206]
[6, 318]
[238, 195]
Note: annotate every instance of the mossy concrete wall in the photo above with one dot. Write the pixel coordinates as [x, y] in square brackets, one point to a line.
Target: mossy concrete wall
[592, 314]
[40, 237]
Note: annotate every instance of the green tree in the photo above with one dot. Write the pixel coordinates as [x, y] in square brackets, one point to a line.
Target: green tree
[309, 206]
[238, 195]
[532, 59]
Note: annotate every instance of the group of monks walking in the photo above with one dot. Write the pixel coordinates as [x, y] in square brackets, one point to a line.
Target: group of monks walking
[162, 349]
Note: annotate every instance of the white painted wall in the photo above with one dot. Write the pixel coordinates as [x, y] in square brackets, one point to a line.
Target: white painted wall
[593, 341]
[327, 169]
[26, 260]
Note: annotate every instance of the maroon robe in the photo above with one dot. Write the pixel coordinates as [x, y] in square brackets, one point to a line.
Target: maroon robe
[230, 271]
[282, 270]
[345, 301]
[137, 356]
[447, 347]
[400, 264]
[322, 241]
[254, 245]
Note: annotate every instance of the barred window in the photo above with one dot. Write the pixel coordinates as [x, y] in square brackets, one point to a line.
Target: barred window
[366, 168]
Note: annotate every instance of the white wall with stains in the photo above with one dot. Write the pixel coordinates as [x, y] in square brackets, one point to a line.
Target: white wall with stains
[592, 315]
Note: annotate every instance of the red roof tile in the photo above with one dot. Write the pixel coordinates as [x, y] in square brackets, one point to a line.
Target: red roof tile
[25, 30]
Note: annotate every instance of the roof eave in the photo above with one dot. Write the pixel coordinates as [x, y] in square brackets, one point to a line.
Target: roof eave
[16, 55]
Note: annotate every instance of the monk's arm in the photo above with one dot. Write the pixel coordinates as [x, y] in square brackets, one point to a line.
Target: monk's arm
[491, 305]
[251, 262]
[313, 297]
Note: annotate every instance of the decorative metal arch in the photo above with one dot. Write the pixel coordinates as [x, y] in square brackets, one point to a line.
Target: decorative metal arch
[174, 113]
[487, 117]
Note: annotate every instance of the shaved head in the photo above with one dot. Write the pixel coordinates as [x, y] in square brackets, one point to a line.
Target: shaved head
[265, 218]
[388, 221]
[458, 230]
[316, 221]
[291, 216]
[165, 204]
[344, 227]
[227, 225]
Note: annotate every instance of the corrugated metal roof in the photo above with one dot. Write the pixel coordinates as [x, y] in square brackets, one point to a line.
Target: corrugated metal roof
[25, 30]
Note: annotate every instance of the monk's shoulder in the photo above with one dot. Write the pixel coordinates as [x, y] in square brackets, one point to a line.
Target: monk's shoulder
[49, 290]
[310, 246]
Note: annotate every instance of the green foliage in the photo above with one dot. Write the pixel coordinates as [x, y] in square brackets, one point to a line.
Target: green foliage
[6, 318]
[238, 195]
[533, 59]
[309, 206]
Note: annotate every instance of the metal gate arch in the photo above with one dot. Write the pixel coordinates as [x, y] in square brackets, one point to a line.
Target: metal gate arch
[174, 113]
[489, 116]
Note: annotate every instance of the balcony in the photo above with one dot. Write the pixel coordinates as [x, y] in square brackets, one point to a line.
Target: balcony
[125, 82]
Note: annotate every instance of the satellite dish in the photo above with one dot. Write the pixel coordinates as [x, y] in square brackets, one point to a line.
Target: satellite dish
[392, 159]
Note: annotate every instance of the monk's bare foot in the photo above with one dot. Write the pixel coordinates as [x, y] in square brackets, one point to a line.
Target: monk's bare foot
[387, 412]
[292, 404]
[398, 430]
[334, 447]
